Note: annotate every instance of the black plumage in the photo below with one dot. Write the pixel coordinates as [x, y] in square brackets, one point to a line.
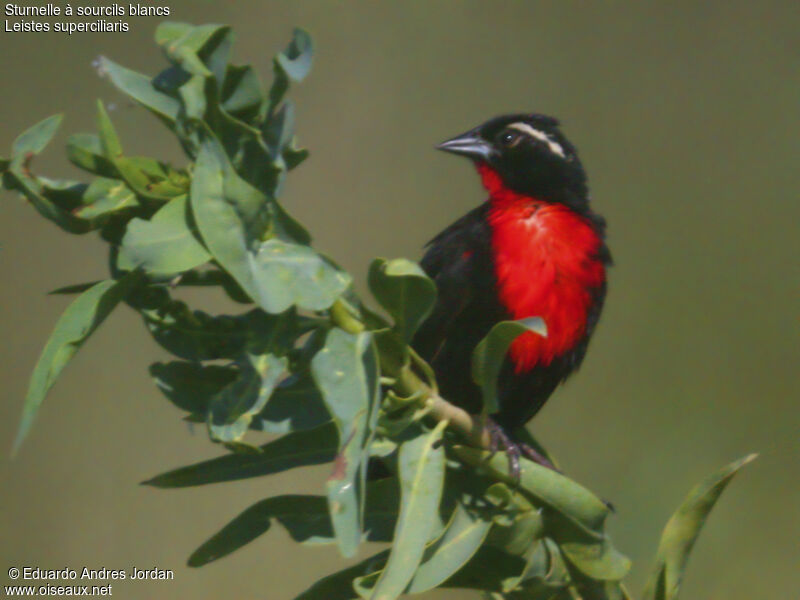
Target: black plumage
[462, 260]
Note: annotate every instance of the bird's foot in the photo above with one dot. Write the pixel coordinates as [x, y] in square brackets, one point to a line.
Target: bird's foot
[500, 440]
[534, 455]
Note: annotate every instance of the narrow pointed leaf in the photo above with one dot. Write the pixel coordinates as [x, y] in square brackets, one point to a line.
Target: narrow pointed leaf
[104, 197]
[465, 533]
[295, 405]
[312, 447]
[577, 504]
[202, 49]
[232, 217]
[195, 335]
[305, 518]
[163, 245]
[109, 140]
[84, 150]
[77, 288]
[339, 586]
[404, 290]
[293, 63]
[231, 221]
[421, 471]
[141, 89]
[33, 140]
[682, 530]
[18, 176]
[232, 410]
[78, 322]
[598, 560]
[296, 59]
[489, 568]
[189, 385]
[241, 92]
[340, 372]
[490, 353]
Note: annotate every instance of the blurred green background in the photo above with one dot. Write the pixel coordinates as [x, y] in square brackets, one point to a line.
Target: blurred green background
[686, 117]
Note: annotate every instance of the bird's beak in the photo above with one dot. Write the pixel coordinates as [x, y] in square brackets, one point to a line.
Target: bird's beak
[467, 144]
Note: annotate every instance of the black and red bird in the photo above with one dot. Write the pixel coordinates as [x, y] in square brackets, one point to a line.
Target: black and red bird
[534, 248]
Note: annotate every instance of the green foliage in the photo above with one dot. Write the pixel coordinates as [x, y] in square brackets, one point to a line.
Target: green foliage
[346, 372]
[490, 353]
[682, 530]
[302, 357]
[74, 327]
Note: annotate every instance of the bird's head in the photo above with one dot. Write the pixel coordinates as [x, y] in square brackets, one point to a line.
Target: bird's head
[525, 153]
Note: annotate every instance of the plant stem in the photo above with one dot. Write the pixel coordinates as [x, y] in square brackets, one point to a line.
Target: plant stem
[407, 383]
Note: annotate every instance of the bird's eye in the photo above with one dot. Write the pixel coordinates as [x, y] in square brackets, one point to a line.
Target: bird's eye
[509, 138]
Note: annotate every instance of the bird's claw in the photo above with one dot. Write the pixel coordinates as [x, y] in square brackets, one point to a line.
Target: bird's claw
[535, 456]
[499, 440]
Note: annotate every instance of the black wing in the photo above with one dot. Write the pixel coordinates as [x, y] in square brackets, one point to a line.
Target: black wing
[459, 261]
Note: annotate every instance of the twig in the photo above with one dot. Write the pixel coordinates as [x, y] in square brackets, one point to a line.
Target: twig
[408, 383]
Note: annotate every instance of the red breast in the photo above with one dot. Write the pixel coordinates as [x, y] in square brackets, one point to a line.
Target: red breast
[546, 265]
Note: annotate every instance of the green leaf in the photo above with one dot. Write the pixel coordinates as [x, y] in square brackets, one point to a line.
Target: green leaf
[84, 150]
[189, 385]
[404, 290]
[19, 177]
[306, 519]
[193, 94]
[490, 353]
[194, 335]
[241, 94]
[104, 197]
[165, 244]
[23, 181]
[465, 533]
[232, 410]
[293, 63]
[346, 379]
[141, 89]
[33, 140]
[215, 278]
[291, 274]
[78, 322]
[299, 449]
[148, 178]
[489, 568]
[145, 176]
[77, 288]
[109, 140]
[200, 50]
[597, 560]
[232, 217]
[296, 404]
[421, 472]
[296, 59]
[546, 487]
[278, 131]
[682, 530]
[519, 525]
[339, 586]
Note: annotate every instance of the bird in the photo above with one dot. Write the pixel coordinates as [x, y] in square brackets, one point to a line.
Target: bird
[534, 248]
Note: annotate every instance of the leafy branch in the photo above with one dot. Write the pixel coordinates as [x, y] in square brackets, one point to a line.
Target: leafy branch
[302, 356]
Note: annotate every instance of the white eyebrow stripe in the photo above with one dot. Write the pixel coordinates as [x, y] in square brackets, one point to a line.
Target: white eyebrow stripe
[555, 147]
